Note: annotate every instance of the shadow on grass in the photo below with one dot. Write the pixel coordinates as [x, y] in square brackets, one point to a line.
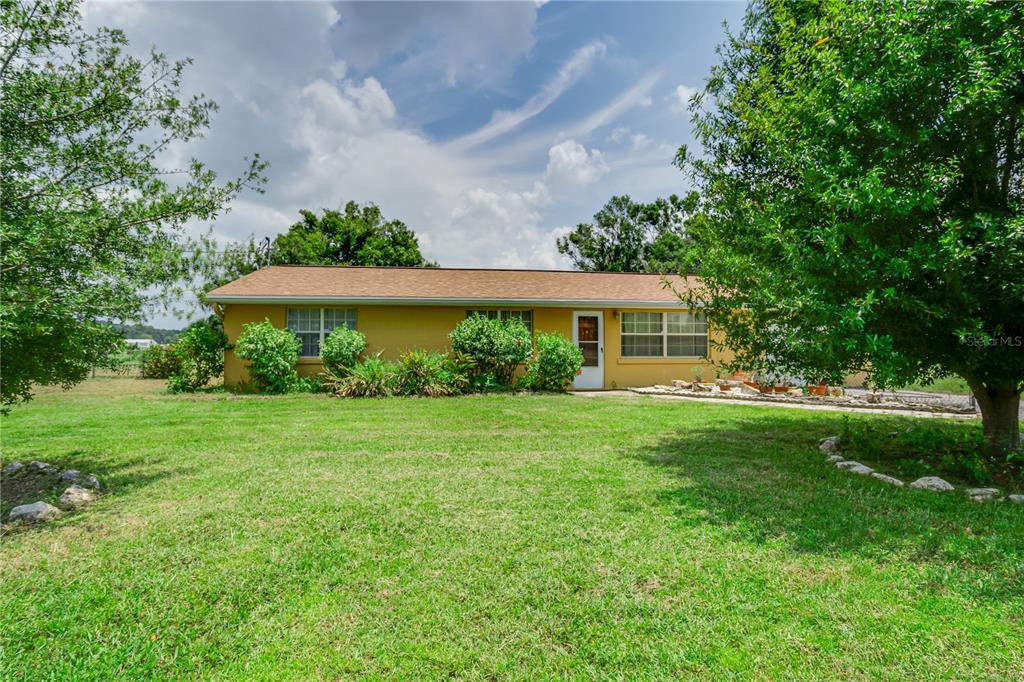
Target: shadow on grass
[765, 481]
[125, 476]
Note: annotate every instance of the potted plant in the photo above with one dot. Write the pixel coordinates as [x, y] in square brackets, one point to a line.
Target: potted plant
[817, 388]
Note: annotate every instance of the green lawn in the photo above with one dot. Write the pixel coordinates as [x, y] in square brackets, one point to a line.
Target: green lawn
[524, 537]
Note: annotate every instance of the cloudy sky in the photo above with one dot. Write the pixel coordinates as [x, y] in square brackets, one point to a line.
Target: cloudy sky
[489, 128]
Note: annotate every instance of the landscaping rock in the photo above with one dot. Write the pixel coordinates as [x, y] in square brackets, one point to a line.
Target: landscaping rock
[829, 445]
[888, 479]
[41, 466]
[854, 467]
[680, 383]
[71, 475]
[76, 496]
[747, 389]
[91, 481]
[931, 483]
[982, 494]
[34, 513]
[1016, 499]
[832, 459]
[13, 468]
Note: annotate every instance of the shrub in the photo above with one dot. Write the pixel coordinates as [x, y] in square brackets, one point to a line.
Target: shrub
[371, 378]
[555, 364]
[431, 374]
[158, 362]
[341, 349]
[200, 352]
[496, 346]
[272, 354]
[458, 371]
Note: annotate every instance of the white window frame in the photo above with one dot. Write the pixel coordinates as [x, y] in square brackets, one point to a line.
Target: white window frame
[502, 314]
[323, 335]
[664, 334]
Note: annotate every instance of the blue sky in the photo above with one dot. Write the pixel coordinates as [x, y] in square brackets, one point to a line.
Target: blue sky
[489, 128]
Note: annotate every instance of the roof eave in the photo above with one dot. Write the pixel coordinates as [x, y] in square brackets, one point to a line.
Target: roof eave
[534, 302]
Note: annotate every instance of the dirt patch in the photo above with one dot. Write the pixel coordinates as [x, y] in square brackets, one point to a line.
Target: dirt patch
[27, 486]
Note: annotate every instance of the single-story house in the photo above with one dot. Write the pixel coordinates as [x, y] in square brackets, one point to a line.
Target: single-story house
[632, 329]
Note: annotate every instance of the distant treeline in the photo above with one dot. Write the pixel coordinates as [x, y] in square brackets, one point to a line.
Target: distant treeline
[144, 331]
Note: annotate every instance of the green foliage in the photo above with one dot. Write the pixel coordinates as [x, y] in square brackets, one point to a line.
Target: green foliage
[497, 348]
[430, 375]
[369, 378]
[417, 373]
[627, 236]
[272, 354]
[158, 362]
[359, 235]
[861, 184]
[200, 353]
[555, 363]
[91, 229]
[341, 349]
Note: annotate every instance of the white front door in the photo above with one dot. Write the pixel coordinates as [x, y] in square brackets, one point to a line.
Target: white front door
[588, 334]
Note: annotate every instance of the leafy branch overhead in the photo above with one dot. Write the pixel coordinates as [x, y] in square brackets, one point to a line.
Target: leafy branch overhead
[93, 216]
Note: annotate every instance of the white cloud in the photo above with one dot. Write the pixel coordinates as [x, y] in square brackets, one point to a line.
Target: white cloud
[636, 96]
[679, 99]
[504, 121]
[506, 225]
[571, 165]
[334, 131]
[618, 135]
[456, 43]
[640, 141]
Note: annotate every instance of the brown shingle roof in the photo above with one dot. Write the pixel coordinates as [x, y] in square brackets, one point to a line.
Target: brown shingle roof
[441, 285]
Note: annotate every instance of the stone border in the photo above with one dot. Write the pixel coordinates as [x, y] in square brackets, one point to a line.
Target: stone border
[830, 447]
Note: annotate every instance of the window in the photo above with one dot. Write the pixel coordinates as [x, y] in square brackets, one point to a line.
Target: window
[664, 335]
[525, 315]
[312, 325]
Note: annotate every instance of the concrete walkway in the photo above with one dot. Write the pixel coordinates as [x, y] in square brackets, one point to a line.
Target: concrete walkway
[795, 406]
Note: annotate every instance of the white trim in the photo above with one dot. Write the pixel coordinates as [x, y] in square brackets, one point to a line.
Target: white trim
[323, 333]
[664, 334]
[589, 377]
[479, 302]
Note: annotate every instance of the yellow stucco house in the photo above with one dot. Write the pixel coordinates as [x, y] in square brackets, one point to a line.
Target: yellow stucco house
[631, 327]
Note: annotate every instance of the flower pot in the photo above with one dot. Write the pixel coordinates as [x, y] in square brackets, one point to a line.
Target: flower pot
[817, 389]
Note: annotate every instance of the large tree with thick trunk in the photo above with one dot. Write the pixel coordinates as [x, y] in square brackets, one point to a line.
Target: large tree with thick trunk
[861, 188]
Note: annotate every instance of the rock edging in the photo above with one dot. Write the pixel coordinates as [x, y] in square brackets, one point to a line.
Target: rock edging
[830, 448]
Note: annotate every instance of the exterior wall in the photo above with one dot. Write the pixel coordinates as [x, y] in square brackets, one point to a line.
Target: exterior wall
[392, 330]
[620, 372]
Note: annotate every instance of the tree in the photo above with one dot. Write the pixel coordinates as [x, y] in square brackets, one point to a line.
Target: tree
[92, 224]
[861, 190]
[359, 235]
[626, 236]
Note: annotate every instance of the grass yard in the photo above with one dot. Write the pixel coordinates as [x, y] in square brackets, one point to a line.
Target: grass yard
[524, 537]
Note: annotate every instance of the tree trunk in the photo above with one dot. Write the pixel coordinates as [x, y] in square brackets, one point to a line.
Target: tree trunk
[1000, 414]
